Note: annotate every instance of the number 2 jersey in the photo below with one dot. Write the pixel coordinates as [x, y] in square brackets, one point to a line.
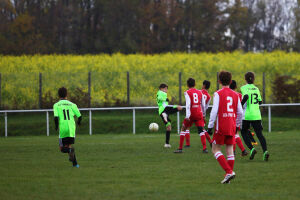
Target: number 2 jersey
[252, 111]
[227, 112]
[195, 104]
[65, 111]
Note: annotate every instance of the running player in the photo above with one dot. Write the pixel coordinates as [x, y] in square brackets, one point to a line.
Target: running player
[195, 104]
[238, 140]
[227, 111]
[164, 110]
[207, 98]
[252, 116]
[64, 112]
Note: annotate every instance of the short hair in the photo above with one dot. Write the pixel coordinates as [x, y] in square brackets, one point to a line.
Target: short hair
[62, 92]
[206, 83]
[232, 85]
[250, 77]
[163, 85]
[225, 77]
[191, 82]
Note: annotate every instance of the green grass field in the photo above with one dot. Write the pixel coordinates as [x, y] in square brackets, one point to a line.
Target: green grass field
[126, 166]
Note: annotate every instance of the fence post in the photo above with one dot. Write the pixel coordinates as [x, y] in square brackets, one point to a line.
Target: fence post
[180, 84]
[264, 88]
[5, 121]
[90, 122]
[217, 80]
[133, 121]
[0, 91]
[128, 89]
[269, 118]
[89, 89]
[47, 119]
[178, 122]
[40, 90]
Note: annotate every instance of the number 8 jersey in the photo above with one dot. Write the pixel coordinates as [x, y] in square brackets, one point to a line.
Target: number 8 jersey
[65, 111]
[227, 111]
[195, 104]
[252, 111]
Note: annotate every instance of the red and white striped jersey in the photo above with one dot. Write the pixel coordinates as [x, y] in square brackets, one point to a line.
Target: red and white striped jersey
[227, 112]
[195, 104]
[207, 99]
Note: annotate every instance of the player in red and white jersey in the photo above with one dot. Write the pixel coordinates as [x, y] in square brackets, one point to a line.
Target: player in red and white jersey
[195, 104]
[227, 112]
[207, 98]
[238, 140]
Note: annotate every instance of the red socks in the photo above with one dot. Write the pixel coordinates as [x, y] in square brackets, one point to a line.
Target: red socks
[230, 161]
[223, 163]
[181, 141]
[208, 137]
[239, 142]
[187, 137]
[203, 140]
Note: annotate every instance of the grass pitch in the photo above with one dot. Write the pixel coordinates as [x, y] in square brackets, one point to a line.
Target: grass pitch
[127, 166]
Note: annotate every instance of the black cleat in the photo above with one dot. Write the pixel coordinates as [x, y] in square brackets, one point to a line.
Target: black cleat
[244, 153]
[252, 153]
[205, 151]
[178, 151]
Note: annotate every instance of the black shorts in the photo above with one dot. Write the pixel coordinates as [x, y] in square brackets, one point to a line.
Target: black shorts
[66, 141]
[256, 124]
[168, 111]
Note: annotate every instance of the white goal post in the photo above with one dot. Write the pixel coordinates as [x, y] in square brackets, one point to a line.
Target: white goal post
[126, 108]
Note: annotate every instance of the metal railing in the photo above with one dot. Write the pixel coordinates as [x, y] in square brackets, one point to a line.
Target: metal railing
[126, 108]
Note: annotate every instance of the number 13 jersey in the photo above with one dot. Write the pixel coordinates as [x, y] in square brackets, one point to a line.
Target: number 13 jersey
[227, 112]
[65, 111]
[252, 111]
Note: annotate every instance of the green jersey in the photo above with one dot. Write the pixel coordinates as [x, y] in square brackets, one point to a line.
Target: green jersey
[252, 111]
[161, 100]
[65, 111]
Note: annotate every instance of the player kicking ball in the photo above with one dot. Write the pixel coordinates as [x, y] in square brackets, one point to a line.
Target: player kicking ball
[164, 110]
[227, 111]
[64, 112]
[195, 104]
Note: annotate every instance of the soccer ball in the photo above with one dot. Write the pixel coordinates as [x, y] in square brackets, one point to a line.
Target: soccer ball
[153, 127]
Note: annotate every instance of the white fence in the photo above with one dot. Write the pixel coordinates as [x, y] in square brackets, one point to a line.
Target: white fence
[125, 108]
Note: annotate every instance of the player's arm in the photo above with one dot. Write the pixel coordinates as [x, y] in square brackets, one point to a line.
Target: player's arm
[207, 104]
[187, 105]
[203, 106]
[245, 99]
[239, 114]
[213, 113]
[259, 98]
[77, 113]
[55, 111]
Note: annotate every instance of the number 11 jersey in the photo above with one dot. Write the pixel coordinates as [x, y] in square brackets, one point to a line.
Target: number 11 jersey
[65, 111]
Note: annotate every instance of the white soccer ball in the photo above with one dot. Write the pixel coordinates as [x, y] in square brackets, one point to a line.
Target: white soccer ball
[153, 127]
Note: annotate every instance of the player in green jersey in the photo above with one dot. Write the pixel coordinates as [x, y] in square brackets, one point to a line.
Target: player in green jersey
[164, 110]
[252, 116]
[64, 112]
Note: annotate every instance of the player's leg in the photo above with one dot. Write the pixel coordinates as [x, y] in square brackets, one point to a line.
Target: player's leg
[66, 147]
[250, 134]
[201, 133]
[164, 116]
[181, 139]
[187, 138]
[239, 142]
[208, 138]
[258, 130]
[245, 128]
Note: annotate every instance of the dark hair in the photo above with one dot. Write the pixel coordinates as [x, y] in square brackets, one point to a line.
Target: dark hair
[163, 85]
[206, 83]
[232, 85]
[250, 77]
[225, 77]
[191, 82]
[62, 92]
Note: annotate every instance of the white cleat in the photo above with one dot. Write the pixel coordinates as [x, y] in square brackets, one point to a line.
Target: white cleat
[167, 146]
[228, 177]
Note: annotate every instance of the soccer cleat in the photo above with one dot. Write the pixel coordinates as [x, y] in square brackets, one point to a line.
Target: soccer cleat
[228, 177]
[252, 153]
[77, 166]
[266, 156]
[178, 151]
[205, 151]
[254, 143]
[244, 153]
[252, 134]
[167, 146]
[187, 146]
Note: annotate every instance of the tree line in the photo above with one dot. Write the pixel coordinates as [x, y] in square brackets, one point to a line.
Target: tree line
[147, 26]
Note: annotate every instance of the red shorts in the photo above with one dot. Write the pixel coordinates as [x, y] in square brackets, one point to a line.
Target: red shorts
[223, 139]
[188, 124]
